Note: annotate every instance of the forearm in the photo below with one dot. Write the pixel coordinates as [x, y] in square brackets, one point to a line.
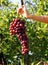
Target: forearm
[39, 18]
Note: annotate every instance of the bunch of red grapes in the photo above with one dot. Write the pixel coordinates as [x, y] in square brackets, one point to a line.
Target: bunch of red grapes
[17, 27]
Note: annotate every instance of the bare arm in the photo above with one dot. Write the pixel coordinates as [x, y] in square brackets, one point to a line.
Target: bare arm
[43, 19]
[23, 11]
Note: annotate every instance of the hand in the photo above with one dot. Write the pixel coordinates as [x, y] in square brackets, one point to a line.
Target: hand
[23, 11]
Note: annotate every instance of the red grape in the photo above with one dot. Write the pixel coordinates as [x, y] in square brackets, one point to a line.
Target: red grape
[17, 27]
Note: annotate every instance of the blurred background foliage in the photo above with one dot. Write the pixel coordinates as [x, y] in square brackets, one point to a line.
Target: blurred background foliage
[37, 32]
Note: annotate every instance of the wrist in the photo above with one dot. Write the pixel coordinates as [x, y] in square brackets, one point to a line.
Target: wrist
[29, 16]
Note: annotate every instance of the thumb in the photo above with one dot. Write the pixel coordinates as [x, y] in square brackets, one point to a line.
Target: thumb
[19, 10]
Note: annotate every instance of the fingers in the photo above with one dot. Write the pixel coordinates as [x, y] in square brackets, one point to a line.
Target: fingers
[23, 6]
[20, 10]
